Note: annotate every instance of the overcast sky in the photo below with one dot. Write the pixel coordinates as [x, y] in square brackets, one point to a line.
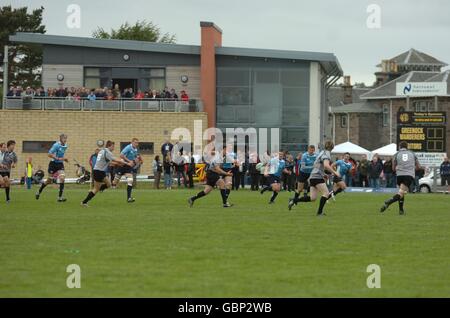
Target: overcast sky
[320, 25]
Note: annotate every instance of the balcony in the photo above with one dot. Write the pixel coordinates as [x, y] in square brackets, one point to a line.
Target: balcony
[123, 104]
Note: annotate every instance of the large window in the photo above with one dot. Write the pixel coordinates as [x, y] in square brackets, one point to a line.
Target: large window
[37, 146]
[385, 115]
[422, 106]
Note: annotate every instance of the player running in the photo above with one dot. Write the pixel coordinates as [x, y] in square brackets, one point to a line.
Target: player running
[229, 162]
[342, 166]
[214, 177]
[405, 165]
[306, 166]
[130, 155]
[317, 179]
[274, 169]
[56, 167]
[8, 162]
[105, 158]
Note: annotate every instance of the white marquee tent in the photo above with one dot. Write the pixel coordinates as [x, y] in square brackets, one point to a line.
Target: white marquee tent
[350, 148]
[388, 150]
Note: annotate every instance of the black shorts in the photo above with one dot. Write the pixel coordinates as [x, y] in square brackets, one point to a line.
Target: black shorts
[227, 169]
[337, 179]
[303, 177]
[54, 167]
[273, 179]
[5, 174]
[212, 178]
[314, 182]
[406, 180]
[124, 170]
[99, 176]
[445, 179]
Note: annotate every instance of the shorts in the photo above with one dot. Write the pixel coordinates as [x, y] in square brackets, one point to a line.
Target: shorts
[303, 177]
[212, 178]
[314, 182]
[54, 167]
[123, 170]
[405, 180]
[5, 174]
[227, 169]
[445, 179]
[337, 179]
[273, 179]
[99, 176]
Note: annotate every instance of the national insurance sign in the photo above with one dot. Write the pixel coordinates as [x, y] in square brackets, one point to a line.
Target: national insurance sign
[421, 89]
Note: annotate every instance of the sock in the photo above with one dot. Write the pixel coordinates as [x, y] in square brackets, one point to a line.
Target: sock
[228, 192]
[129, 188]
[7, 193]
[400, 203]
[303, 199]
[296, 195]
[394, 198]
[339, 190]
[323, 200]
[103, 187]
[199, 195]
[43, 185]
[274, 195]
[61, 189]
[89, 197]
[223, 193]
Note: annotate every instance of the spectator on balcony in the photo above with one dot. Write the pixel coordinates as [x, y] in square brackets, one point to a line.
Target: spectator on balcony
[139, 95]
[92, 96]
[184, 96]
[13, 92]
[40, 92]
[173, 95]
[61, 92]
[116, 91]
[28, 92]
[165, 93]
[154, 94]
[110, 95]
[128, 93]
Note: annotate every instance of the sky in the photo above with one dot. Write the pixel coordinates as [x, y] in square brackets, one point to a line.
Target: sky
[335, 26]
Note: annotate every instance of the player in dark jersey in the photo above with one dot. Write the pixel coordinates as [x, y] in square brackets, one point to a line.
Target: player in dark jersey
[9, 160]
[214, 177]
[322, 165]
[105, 159]
[405, 165]
[56, 167]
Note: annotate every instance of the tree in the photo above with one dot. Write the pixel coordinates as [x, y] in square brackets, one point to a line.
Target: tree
[140, 31]
[24, 60]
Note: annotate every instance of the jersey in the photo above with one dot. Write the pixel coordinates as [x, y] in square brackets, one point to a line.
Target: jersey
[318, 171]
[9, 157]
[343, 167]
[276, 166]
[228, 160]
[307, 162]
[129, 152]
[58, 150]
[405, 162]
[104, 157]
[216, 161]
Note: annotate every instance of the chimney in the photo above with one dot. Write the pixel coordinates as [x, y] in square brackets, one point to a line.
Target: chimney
[348, 90]
[211, 37]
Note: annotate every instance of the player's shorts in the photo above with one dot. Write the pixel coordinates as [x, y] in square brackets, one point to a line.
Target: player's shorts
[445, 179]
[337, 179]
[315, 182]
[406, 180]
[227, 169]
[99, 176]
[303, 177]
[126, 169]
[212, 178]
[54, 167]
[5, 174]
[273, 179]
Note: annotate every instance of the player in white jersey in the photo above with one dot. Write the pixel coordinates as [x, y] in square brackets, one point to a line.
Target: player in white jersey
[405, 164]
[105, 158]
[9, 160]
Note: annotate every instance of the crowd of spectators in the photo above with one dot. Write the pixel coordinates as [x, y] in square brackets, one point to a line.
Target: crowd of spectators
[78, 93]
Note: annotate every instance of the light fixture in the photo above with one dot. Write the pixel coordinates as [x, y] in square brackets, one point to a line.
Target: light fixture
[60, 77]
[184, 79]
[126, 57]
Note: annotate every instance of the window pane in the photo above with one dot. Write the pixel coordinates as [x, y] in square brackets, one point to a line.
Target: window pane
[295, 77]
[157, 83]
[267, 76]
[89, 71]
[37, 146]
[233, 77]
[233, 96]
[157, 72]
[92, 82]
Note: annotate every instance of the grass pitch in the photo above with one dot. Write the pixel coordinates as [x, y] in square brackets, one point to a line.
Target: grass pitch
[159, 247]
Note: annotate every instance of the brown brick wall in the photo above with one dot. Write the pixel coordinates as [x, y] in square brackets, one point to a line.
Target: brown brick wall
[85, 128]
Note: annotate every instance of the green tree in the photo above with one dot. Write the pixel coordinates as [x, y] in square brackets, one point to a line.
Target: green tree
[24, 60]
[140, 31]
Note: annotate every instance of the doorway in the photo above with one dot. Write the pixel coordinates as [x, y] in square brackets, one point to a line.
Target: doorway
[125, 83]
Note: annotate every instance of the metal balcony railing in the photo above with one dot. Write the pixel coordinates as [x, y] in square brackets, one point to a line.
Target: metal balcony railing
[123, 104]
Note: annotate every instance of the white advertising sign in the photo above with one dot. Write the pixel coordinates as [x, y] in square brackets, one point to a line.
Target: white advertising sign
[421, 89]
[430, 159]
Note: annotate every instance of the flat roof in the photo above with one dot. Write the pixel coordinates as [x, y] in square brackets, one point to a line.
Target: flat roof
[328, 60]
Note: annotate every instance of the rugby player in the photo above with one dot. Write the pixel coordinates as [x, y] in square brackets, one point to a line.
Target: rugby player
[306, 166]
[317, 179]
[273, 171]
[229, 162]
[342, 166]
[130, 155]
[56, 167]
[405, 164]
[8, 162]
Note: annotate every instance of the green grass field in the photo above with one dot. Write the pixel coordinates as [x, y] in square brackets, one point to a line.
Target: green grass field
[158, 247]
